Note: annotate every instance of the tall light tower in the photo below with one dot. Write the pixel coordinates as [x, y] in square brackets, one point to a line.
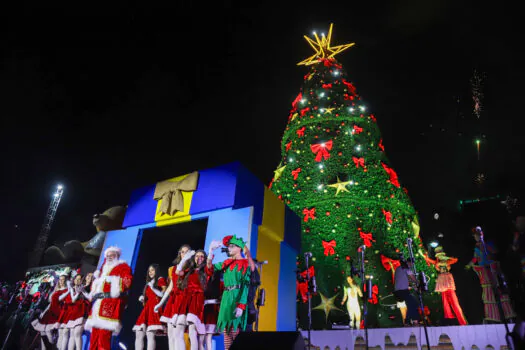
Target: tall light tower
[41, 241]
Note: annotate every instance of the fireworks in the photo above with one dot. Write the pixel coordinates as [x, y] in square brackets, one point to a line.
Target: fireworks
[477, 91]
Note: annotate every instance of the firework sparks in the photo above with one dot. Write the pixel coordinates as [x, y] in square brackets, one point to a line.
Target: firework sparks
[477, 91]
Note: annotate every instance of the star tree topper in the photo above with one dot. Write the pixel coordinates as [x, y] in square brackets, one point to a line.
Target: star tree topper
[327, 305]
[322, 48]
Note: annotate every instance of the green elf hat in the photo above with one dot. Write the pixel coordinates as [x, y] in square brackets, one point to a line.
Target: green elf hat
[439, 251]
[233, 240]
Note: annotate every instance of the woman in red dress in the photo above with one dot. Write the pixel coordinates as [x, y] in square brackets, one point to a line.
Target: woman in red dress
[73, 316]
[148, 324]
[48, 319]
[171, 315]
[212, 301]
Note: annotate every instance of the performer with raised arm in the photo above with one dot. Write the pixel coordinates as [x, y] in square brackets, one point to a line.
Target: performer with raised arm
[236, 275]
[73, 315]
[445, 284]
[174, 313]
[47, 322]
[352, 292]
[109, 297]
[148, 323]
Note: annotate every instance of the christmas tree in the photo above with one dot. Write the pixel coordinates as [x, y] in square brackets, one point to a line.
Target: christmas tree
[334, 173]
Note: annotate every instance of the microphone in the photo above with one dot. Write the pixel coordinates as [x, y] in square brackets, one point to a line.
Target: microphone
[409, 241]
[308, 254]
[314, 285]
[363, 248]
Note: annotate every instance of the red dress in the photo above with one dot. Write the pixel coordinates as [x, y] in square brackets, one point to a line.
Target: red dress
[74, 313]
[48, 320]
[176, 306]
[149, 320]
[212, 303]
[195, 302]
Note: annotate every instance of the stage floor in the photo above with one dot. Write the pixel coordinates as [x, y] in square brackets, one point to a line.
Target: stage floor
[442, 338]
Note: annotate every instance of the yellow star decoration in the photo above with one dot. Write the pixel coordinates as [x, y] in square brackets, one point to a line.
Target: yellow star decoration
[340, 186]
[328, 110]
[278, 172]
[415, 226]
[294, 116]
[327, 305]
[322, 48]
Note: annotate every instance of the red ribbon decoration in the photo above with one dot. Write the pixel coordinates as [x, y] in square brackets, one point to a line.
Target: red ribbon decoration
[359, 162]
[348, 97]
[390, 265]
[367, 238]
[381, 145]
[321, 150]
[308, 214]
[329, 247]
[357, 129]
[296, 101]
[327, 86]
[306, 76]
[300, 132]
[393, 176]
[373, 118]
[288, 146]
[271, 183]
[375, 292]
[302, 286]
[388, 216]
[295, 173]
[349, 86]
[304, 110]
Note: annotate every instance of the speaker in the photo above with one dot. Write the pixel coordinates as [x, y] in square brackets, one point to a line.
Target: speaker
[268, 340]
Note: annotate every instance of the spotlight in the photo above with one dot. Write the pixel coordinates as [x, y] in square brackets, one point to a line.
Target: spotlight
[59, 187]
[434, 244]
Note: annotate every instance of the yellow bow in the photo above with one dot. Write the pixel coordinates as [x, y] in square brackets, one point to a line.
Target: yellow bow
[171, 195]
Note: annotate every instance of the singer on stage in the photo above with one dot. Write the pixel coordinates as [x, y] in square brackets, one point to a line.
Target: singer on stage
[403, 280]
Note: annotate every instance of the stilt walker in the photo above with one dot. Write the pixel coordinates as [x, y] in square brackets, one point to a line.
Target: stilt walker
[236, 275]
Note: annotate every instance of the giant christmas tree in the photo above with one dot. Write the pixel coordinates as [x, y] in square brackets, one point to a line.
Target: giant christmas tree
[334, 173]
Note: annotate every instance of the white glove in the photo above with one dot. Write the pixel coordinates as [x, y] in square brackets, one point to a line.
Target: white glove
[151, 283]
[214, 245]
[157, 307]
[238, 312]
[184, 259]
[68, 284]
[141, 299]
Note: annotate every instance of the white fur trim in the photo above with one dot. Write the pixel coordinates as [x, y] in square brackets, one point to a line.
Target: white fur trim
[201, 328]
[152, 328]
[94, 320]
[115, 282]
[211, 328]
[96, 274]
[73, 323]
[141, 327]
[113, 249]
[211, 301]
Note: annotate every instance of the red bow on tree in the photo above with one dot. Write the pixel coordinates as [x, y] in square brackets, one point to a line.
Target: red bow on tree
[308, 214]
[296, 101]
[300, 132]
[288, 146]
[390, 265]
[295, 173]
[329, 247]
[326, 62]
[359, 162]
[381, 145]
[357, 129]
[393, 176]
[348, 97]
[304, 110]
[306, 76]
[367, 238]
[302, 283]
[373, 118]
[327, 86]
[375, 292]
[321, 150]
[349, 86]
[388, 216]
[271, 183]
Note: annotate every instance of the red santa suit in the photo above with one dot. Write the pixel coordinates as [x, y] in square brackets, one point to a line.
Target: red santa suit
[105, 314]
[195, 301]
[149, 320]
[175, 310]
[74, 309]
[48, 319]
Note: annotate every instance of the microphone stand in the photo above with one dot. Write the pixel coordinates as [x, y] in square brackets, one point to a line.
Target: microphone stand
[261, 294]
[309, 296]
[496, 290]
[15, 316]
[365, 285]
[419, 290]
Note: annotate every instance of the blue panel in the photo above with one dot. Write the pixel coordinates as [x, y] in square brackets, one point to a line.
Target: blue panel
[286, 305]
[292, 229]
[125, 240]
[254, 239]
[216, 189]
[227, 222]
[249, 193]
[141, 208]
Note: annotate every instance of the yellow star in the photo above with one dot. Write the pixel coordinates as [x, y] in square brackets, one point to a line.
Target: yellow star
[327, 305]
[328, 110]
[340, 186]
[322, 48]
[278, 172]
[294, 115]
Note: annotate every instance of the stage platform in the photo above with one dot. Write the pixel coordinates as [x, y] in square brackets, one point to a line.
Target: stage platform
[443, 338]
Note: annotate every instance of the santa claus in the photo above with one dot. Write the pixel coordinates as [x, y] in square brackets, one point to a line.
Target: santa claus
[109, 297]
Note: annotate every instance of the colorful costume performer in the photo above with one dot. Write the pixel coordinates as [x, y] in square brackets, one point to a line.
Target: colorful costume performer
[445, 285]
[149, 320]
[108, 294]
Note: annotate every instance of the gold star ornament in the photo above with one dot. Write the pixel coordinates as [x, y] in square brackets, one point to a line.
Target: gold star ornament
[323, 48]
[340, 186]
[278, 172]
[327, 305]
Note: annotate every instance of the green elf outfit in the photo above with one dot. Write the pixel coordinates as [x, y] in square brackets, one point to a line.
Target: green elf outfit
[236, 278]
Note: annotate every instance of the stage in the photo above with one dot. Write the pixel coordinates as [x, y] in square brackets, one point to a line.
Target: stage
[442, 338]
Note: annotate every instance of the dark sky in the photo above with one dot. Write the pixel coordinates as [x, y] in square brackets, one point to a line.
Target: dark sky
[107, 98]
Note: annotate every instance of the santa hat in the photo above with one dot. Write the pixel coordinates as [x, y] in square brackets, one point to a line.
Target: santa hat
[114, 249]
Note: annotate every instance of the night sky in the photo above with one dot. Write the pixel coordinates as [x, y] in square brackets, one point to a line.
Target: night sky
[108, 98]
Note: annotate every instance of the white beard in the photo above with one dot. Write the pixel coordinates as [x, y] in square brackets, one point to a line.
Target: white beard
[108, 266]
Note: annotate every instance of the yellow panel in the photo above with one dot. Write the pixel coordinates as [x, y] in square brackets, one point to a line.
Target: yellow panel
[273, 215]
[269, 248]
[184, 215]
